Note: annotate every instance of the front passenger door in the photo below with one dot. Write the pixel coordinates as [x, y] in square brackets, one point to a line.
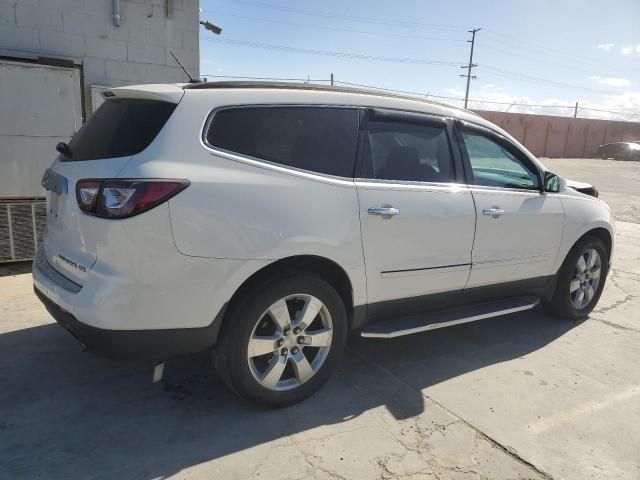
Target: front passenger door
[518, 227]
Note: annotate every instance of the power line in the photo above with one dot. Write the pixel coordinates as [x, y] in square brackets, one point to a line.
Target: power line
[500, 38]
[517, 54]
[406, 60]
[335, 29]
[506, 40]
[331, 53]
[537, 80]
[564, 65]
[356, 18]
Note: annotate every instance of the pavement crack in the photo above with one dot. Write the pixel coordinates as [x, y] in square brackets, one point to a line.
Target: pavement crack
[510, 451]
[615, 325]
[315, 466]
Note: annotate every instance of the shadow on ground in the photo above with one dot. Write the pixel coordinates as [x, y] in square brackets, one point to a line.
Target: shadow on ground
[65, 414]
[15, 268]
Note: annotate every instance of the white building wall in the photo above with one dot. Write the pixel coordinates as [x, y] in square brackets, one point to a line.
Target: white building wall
[83, 31]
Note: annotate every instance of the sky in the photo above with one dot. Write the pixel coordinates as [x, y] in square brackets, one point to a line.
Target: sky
[549, 53]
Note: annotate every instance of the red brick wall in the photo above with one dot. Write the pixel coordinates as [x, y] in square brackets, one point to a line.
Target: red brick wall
[548, 136]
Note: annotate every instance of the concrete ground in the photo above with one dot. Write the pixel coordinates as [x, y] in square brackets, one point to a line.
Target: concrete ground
[522, 396]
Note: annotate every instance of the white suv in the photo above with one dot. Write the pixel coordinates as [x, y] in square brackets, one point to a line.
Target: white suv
[269, 220]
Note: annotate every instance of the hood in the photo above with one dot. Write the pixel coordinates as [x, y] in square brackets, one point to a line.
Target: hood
[582, 187]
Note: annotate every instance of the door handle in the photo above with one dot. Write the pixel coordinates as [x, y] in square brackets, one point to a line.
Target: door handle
[384, 211]
[495, 212]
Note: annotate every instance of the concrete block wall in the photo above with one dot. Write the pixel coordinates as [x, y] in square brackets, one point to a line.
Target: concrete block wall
[550, 136]
[137, 51]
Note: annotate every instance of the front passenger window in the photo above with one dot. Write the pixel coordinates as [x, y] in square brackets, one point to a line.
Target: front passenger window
[408, 151]
[495, 166]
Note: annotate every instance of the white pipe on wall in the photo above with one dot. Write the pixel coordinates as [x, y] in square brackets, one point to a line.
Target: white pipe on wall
[116, 13]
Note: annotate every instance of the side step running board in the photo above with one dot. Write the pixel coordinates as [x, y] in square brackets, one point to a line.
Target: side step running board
[447, 318]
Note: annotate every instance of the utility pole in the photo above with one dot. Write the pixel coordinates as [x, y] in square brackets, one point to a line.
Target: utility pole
[575, 111]
[332, 79]
[471, 65]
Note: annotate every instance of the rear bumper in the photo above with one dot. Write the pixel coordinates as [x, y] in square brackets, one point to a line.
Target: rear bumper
[153, 345]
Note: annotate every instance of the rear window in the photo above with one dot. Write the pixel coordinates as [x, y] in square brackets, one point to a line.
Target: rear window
[320, 139]
[119, 128]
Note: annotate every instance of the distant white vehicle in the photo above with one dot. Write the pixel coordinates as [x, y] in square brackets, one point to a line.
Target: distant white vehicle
[269, 220]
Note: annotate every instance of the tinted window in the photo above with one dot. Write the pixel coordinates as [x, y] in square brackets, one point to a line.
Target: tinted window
[119, 128]
[495, 166]
[407, 151]
[319, 139]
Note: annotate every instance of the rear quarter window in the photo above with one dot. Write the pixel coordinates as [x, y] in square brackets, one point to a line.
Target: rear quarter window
[319, 139]
[119, 128]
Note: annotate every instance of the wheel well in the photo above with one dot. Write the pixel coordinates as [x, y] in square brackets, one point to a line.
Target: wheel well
[324, 268]
[601, 233]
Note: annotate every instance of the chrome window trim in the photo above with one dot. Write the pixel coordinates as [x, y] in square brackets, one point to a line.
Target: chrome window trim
[534, 191]
[379, 183]
[262, 163]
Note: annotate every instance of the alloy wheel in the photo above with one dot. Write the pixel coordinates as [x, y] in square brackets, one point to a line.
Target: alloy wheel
[290, 342]
[586, 279]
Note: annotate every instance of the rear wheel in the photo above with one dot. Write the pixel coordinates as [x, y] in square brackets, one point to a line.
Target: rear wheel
[282, 340]
[580, 280]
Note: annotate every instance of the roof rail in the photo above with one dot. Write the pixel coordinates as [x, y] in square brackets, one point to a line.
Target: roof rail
[312, 86]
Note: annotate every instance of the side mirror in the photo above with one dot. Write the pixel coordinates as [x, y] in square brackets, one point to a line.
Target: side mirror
[551, 182]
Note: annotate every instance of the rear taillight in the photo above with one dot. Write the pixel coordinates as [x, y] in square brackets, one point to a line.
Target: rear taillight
[124, 198]
[87, 194]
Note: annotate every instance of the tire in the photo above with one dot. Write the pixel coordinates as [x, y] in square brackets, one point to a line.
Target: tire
[299, 368]
[565, 301]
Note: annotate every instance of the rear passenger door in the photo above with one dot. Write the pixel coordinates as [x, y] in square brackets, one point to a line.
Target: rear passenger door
[417, 220]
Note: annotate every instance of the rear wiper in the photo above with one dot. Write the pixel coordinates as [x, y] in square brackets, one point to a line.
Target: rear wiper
[64, 149]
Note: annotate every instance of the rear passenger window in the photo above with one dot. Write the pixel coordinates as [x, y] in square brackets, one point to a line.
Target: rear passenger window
[408, 151]
[319, 139]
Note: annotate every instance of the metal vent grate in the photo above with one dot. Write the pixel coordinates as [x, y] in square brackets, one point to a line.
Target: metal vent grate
[21, 228]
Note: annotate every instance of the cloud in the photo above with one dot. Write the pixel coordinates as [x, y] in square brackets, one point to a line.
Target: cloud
[489, 86]
[626, 50]
[606, 46]
[612, 81]
[638, 48]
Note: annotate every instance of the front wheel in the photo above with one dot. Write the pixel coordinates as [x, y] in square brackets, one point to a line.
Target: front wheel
[282, 340]
[580, 280]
